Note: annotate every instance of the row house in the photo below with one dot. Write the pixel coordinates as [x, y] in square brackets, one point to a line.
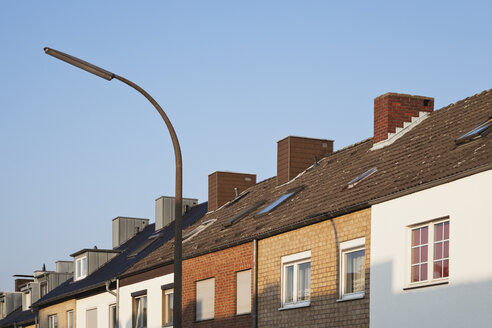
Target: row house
[298, 249]
[348, 238]
[15, 307]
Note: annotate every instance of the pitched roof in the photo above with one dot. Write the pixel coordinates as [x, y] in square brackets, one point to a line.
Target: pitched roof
[131, 253]
[17, 318]
[426, 155]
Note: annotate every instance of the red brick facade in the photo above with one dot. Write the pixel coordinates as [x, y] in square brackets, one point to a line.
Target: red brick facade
[222, 266]
[391, 110]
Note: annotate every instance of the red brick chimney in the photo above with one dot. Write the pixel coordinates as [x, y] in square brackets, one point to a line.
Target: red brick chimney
[221, 187]
[295, 154]
[391, 110]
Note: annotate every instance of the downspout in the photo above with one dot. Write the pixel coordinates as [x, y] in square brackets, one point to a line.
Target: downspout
[255, 283]
[117, 295]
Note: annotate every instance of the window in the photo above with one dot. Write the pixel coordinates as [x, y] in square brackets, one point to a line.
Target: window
[352, 269]
[480, 131]
[244, 213]
[43, 288]
[361, 177]
[167, 307]
[205, 299]
[198, 229]
[81, 268]
[288, 194]
[429, 252]
[91, 318]
[140, 311]
[243, 292]
[70, 319]
[296, 280]
[53, 321]
[113, 318]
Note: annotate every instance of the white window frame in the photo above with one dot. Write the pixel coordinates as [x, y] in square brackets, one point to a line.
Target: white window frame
[296, 260]
[110, 309]
[70, 319]
[430, 255]
[145, 312]
[165, 314]
[346, 247]
[53, 321]
[81, 275]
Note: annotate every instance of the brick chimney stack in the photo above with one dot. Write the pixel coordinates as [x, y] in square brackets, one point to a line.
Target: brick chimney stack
[222, 187]
[295, 154]
[391, 110]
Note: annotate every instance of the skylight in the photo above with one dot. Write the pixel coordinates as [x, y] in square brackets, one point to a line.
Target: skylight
[480, 131]
[243, 213]
[280, 200]
[198, 229]
[152, 238]
[361, 177]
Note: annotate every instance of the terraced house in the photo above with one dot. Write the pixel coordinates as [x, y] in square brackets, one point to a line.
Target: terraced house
[382, 233]
[296, 250]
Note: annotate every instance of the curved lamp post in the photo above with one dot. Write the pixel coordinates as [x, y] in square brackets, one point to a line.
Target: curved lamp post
[179, 170]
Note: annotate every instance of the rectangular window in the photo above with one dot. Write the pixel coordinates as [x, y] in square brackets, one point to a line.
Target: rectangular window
[53, 321]
[43, 288]
[429, 252]
[167, 307]
[140, 312]
[296, 280]
[91, 318]
[205, 299]
[70, 323]
[352, 269]
[243, 292]
[113, 323]
[81, 268]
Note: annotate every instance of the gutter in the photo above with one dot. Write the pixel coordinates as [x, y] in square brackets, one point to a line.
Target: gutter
[255, 283]
[117, 295]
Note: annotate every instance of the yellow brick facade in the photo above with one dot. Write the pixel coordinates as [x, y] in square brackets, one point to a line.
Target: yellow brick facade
[60, 309]
[323, 240]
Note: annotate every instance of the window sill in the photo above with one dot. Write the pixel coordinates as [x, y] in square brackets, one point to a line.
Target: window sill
[427, 284]
[297, 305]
[352, 297]
[167, 325]
[242, 314]
[203, 320]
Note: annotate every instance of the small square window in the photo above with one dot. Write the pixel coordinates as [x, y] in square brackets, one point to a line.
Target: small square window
[352, 269]
[296, 280]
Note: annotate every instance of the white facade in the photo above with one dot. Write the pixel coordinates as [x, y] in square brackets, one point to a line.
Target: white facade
[154, 301]
[465, 298]
[101, 302]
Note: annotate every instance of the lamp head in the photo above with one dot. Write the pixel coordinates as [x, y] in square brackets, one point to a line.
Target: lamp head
[79, 63]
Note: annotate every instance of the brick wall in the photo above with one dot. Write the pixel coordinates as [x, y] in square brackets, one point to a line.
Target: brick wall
[60, 310]
[321, 240]
[222, 266]
[295, 154]
[391, 110]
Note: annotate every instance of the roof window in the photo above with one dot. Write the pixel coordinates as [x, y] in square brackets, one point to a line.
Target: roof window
[152, 238]
[288, 194]
[481, 130]
[244, 213]
[362, 177]
[198, 229]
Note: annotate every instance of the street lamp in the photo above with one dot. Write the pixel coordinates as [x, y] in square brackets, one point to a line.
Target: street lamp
[179, 170]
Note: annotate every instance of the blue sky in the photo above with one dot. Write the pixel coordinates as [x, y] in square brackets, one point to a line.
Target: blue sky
[233, 76]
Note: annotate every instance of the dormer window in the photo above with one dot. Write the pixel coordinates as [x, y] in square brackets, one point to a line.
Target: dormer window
[81, 268]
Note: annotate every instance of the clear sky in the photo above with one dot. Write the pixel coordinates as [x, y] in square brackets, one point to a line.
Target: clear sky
[233, 76]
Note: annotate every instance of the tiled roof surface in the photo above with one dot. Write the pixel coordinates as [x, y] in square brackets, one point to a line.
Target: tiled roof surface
[17, 318]
[424, 155]
[122, 261]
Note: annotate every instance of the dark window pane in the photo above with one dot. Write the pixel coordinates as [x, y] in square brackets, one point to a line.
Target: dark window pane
[438, 251]
[446, 230]
[415, 273]
[415, 237]
[423, 272]
[437, 269]
[415, 255]
[445, 268]
[424, 235]
[438, 233]
[446, 249]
